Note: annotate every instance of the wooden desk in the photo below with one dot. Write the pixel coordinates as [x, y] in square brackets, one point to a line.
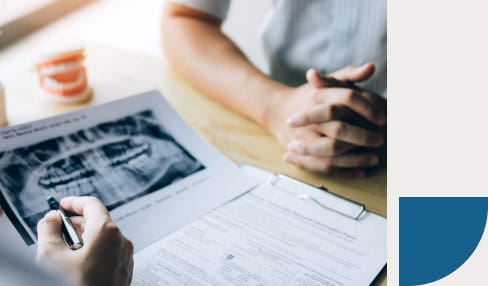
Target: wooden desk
[116, 73]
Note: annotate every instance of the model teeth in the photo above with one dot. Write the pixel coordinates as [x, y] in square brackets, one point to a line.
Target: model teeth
[60, 68]
[56, 85]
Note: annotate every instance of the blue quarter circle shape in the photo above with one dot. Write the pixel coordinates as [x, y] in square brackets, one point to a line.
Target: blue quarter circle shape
[437, 235]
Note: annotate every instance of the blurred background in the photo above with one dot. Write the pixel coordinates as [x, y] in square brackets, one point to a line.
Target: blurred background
[36, 27]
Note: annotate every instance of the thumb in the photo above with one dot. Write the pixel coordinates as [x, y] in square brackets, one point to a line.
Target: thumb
[49, 237]
[354, 74]
[318, 81]
[314, 78]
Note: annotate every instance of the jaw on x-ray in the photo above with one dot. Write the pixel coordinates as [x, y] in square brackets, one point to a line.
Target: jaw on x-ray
[115, 161]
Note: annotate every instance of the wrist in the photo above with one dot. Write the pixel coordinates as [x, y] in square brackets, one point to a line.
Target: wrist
[274, 110]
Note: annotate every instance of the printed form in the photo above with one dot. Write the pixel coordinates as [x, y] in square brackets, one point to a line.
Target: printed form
[268, 237]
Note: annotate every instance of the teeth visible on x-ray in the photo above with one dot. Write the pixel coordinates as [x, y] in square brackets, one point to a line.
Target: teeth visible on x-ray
[67, 170]
[115, 161]
[125, 151]
[87, 186]
[52, 179]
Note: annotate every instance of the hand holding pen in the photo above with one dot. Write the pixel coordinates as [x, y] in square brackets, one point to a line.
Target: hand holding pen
[105, 257]
[69, 232]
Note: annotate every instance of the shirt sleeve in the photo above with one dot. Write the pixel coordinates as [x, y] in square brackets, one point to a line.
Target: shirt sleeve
[216, 8]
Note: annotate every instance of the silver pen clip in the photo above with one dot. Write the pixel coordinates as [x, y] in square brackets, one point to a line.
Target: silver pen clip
[69, 232]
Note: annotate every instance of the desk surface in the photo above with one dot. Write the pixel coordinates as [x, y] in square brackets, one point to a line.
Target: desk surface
[115, 73]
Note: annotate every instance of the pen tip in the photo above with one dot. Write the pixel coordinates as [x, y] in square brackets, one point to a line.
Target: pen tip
[53, 203]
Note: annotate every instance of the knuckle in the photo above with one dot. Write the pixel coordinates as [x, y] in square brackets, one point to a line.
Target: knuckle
[112, 231]
[334, 147]
[304, 149]
[331, 111]
[316, 95]
[349, 97]
[326, 166]
[111, 227]
[306, 118]
[326, 169]
[339, 130]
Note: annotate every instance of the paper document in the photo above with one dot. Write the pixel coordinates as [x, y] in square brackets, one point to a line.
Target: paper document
[150, 169]
[268, 237]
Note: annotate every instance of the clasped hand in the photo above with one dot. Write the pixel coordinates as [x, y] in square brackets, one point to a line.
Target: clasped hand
[329, 125]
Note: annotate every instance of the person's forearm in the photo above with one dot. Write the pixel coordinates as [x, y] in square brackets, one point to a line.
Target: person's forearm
[213, 64]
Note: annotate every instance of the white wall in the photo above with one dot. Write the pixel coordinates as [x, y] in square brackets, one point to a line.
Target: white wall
[131, 25]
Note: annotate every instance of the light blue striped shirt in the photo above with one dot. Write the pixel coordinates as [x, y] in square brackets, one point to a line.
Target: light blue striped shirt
[323, 34]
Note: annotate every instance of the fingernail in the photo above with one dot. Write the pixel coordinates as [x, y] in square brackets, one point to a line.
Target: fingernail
[295, 146]
[293, 120]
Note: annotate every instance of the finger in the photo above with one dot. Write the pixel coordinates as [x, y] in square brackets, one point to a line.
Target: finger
[306, 133]
[352, 160]
[129, 249]
[130, 270]
[354, 74]
[321, 147]
[350, 133]
[320, 81]
[1, 211]
[314, 164]
[84, 206]
[313, 77]
[127, 257]
[348, 160]
[318, 114]
[355, 101]
[49, 237]
[376, 99]
[78, 223]
[93, 211]
[130, 260]
[343, 78]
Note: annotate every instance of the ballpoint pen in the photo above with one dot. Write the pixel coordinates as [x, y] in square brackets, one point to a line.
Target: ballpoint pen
[69, 232]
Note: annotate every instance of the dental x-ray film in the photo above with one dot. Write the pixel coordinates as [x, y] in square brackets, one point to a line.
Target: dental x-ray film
[117, 160]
